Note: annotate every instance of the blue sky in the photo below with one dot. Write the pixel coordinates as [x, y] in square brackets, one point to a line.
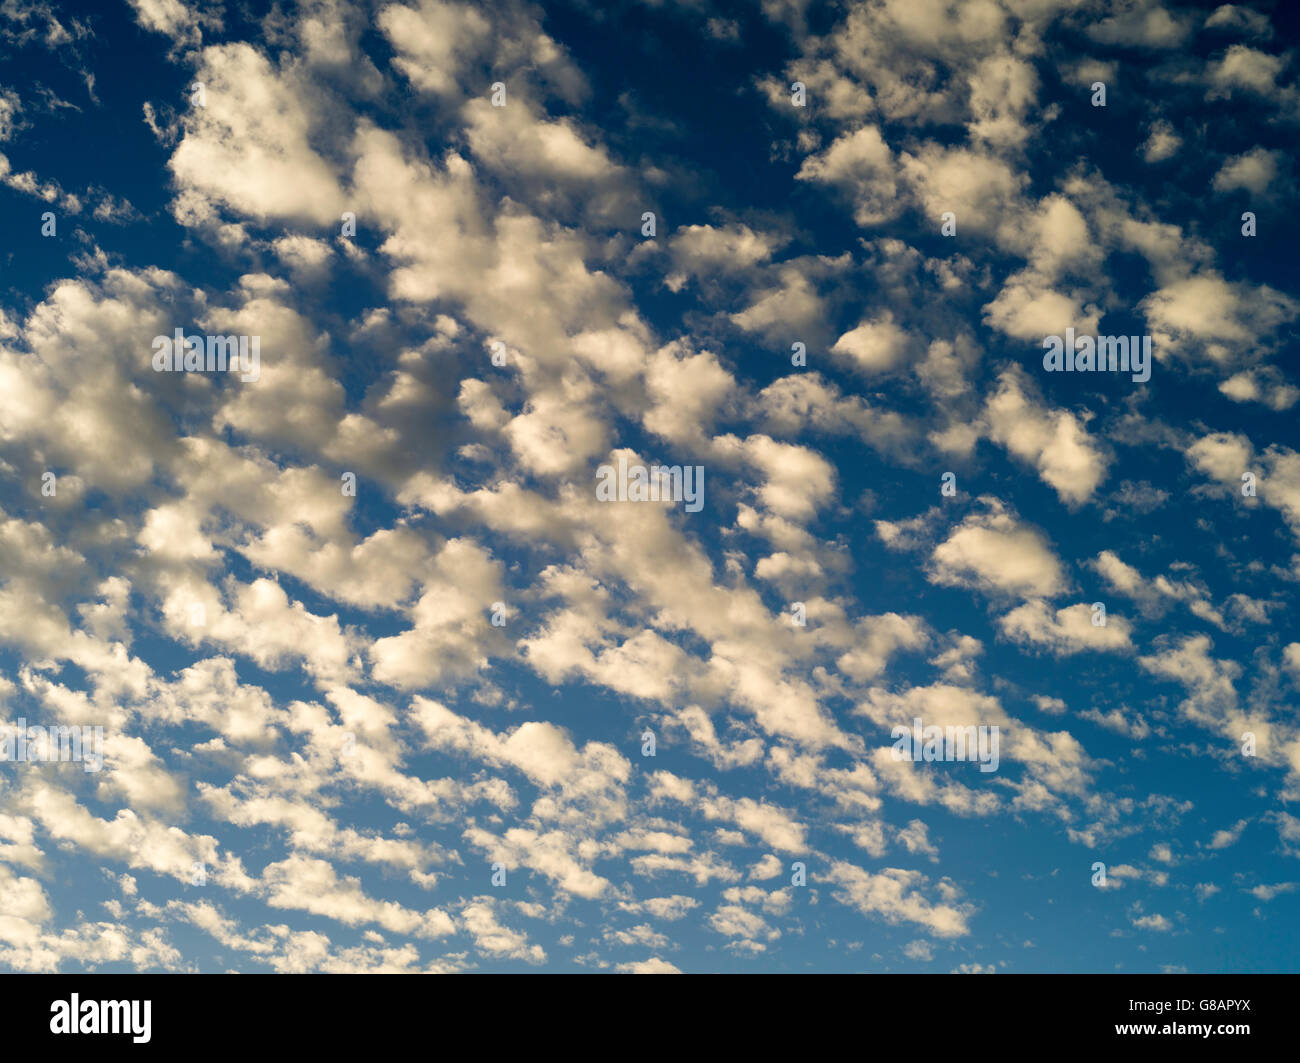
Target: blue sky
[316, 742]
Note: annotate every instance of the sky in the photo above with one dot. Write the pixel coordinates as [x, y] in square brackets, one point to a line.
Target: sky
[374, 677]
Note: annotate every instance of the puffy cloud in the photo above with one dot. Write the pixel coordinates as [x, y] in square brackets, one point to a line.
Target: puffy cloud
[1254, 171]
[249, 147]
[895, 895]
[992, 551]
[1162, 143]
[1066, 631]
[1217, 319]
[1142, 23]
[1245, 68]
[1054, 441]
[874, 346]
[862, 165]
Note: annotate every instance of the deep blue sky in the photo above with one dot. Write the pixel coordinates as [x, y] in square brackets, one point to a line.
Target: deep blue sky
[775, 225]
